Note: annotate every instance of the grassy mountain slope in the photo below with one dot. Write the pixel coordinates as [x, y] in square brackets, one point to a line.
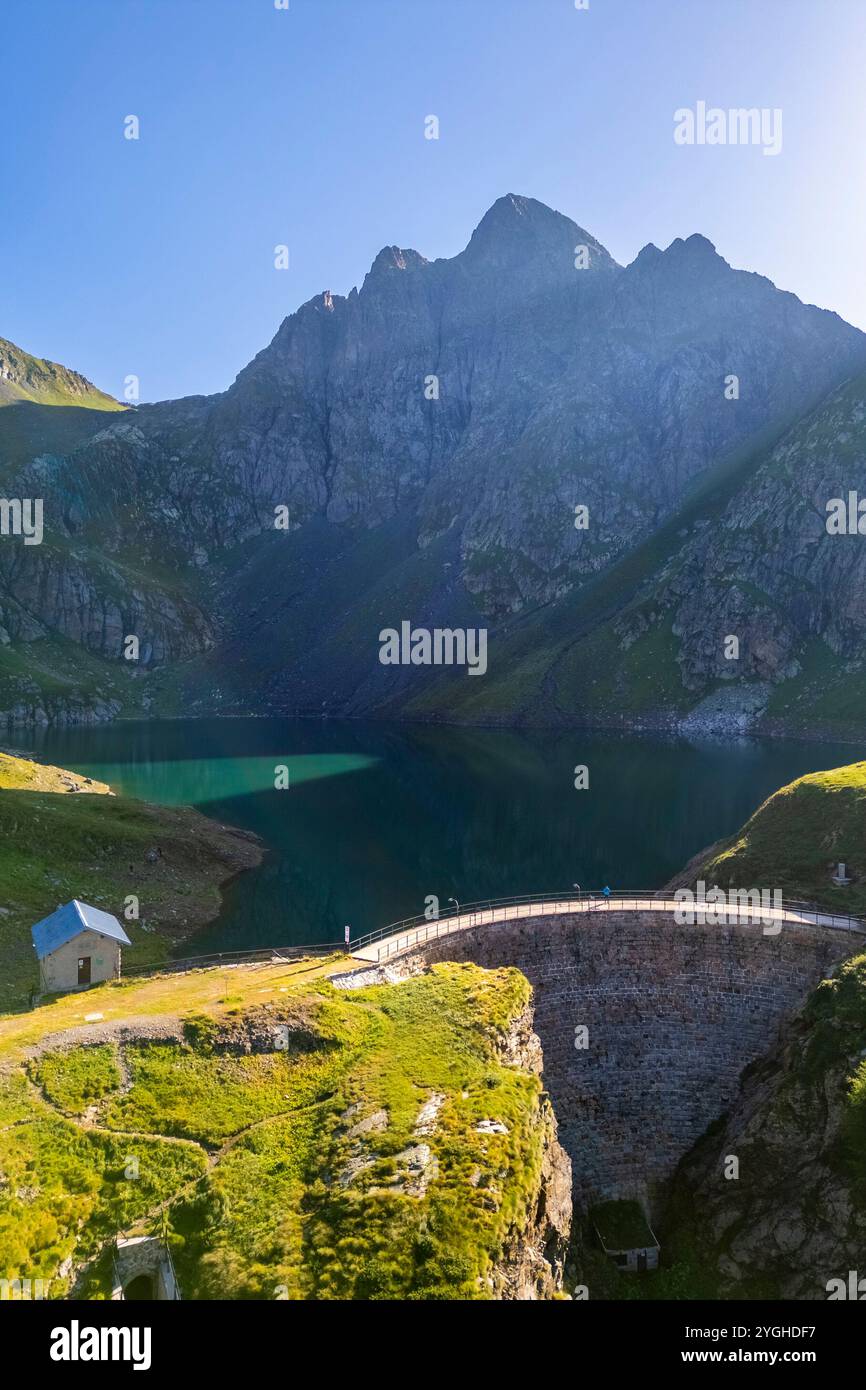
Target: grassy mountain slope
[24, 377]
[349, 1160]
[62, 837]
[48, 411]
[45, 408]
[795, 840]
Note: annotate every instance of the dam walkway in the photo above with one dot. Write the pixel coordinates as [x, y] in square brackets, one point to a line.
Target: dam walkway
[383, 945]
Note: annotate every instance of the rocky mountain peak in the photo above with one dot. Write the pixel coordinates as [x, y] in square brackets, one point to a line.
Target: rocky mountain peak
[522, 231]
[395, 258]
[694, 246]
[683, 262]
[432, 433]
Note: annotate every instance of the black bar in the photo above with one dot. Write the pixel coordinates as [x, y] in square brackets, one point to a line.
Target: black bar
[649, 1338]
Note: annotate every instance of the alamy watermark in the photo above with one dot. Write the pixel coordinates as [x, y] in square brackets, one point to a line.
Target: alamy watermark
[23, 1290]
[438, 646]
[853, 1289]
[22, 516]
[846, 516]
[739, 125]
[717, 907]
[77, 1343]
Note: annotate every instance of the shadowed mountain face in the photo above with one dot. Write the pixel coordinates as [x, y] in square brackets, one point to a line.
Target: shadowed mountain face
[430, 437]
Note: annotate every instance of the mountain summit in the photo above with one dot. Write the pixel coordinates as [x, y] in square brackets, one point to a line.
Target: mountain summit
[429, 439]
[520, 231]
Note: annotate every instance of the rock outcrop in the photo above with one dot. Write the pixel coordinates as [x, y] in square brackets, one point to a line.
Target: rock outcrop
[790, 1218]
[534, 1258]
[533, 1261]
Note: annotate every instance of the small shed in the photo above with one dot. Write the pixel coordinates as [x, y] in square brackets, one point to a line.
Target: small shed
[625, 1235]
[77, 946]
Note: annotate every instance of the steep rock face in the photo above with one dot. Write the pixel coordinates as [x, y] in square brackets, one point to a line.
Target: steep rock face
[533, 1261]
[794, 1218]
[749, 555]
[557, 386]
[93, 603]
[430, 436]
[770, 571]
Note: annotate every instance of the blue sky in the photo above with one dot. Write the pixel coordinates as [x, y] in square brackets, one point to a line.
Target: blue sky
[306, 127]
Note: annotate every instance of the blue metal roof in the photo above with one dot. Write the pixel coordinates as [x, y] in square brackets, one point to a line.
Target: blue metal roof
[71, 919]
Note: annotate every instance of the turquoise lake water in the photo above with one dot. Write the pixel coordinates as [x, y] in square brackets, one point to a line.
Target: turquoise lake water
[377, 817]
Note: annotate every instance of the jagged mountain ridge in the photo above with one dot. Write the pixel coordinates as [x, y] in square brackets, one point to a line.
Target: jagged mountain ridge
[557, 385]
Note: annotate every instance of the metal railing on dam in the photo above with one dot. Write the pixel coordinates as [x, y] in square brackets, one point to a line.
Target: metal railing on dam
[414, 931]
[401, 936]
[261, 955]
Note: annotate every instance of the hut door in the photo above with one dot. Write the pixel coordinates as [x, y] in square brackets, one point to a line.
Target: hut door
[84, 970]
[641, 1261]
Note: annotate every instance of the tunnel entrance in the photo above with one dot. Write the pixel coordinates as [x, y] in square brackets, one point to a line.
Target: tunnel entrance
[140, 1289]
[143, 1270]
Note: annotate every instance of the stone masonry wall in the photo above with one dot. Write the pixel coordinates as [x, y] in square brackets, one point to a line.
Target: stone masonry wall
[674, 1015]
[144, 1255]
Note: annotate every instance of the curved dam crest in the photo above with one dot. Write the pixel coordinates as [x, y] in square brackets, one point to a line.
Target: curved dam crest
[674, 1013]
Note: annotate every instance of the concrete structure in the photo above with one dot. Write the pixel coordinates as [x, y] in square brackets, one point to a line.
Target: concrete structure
[77, 946]
[646, 1024]
[143, 1271]
[381, 946]
[626, 1236]
[634, 1260]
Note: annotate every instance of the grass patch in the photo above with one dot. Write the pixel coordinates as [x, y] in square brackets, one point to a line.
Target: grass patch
[795, 839]
[196, 1093]
[75, 1079]
[65, 1191]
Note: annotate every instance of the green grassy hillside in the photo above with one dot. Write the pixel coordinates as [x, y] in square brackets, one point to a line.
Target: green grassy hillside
[46, 408]
[347, 1160]
[24, 377]
[62, 837]
[794, 841]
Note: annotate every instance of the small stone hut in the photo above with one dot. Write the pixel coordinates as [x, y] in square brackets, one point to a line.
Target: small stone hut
[77, 946]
